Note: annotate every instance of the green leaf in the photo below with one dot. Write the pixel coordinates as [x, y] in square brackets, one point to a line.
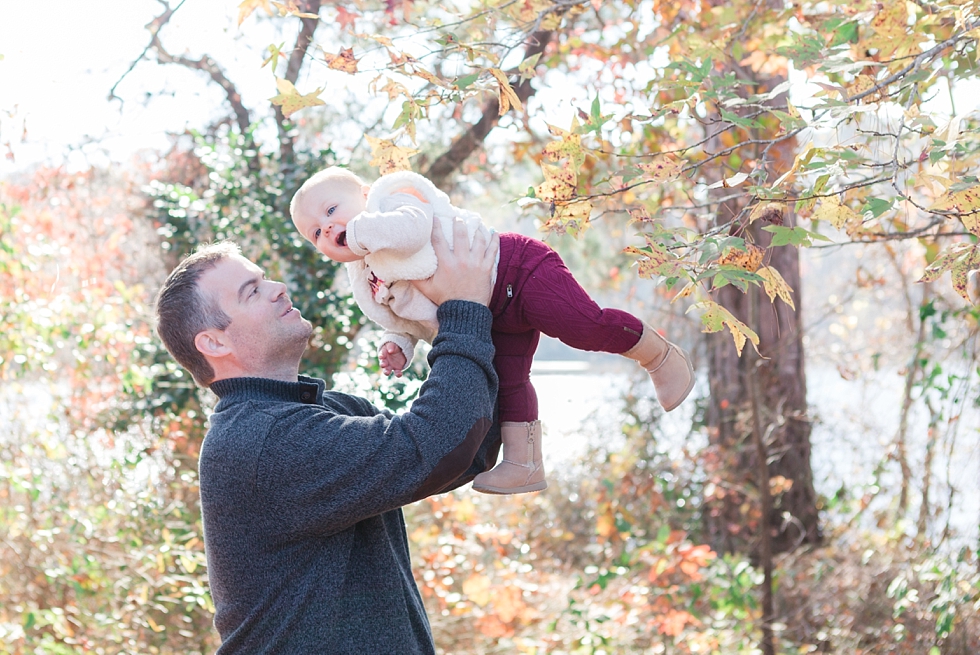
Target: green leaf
[877, 206]
[466, 80]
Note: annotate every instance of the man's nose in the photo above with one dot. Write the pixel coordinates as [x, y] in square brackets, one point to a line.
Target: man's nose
[278, 290]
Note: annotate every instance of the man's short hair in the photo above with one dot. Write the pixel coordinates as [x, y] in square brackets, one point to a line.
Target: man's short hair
[333, 174]
[183, 311]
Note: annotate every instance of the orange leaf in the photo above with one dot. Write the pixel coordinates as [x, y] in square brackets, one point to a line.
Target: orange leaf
[342, 62]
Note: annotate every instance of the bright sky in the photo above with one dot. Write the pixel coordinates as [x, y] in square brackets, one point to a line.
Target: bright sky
[59, 64]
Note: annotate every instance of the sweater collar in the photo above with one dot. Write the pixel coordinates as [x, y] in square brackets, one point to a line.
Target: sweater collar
[234, 390]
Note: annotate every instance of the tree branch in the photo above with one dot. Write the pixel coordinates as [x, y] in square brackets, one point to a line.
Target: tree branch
[440, 169]
[304, 40]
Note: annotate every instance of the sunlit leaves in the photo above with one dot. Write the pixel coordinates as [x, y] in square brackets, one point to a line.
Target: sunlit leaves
[344, 61]
[835, 212]
[775, 285]
[716, 318]
[961, 260]
[388, 156]
[292, 100]
[506, 95]
[246, 8]
[965, 204]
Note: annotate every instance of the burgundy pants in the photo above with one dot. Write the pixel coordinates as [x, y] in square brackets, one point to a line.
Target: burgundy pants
[536, 293]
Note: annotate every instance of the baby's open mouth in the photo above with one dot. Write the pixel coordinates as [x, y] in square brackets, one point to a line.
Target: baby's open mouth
[342, 239]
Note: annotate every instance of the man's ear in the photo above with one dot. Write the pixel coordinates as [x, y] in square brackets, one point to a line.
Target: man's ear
[364, 189]
[212, 343]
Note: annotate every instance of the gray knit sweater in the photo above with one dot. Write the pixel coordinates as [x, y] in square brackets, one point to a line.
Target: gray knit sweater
[301, 492]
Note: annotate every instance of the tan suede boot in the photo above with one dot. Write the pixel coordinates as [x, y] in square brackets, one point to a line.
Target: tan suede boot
[521, 469]
[668, 365]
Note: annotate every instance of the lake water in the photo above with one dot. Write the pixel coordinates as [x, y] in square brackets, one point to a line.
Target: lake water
[855, 423]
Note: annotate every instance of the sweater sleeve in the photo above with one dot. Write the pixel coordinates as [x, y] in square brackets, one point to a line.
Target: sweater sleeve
[324, 471]
[405, 229]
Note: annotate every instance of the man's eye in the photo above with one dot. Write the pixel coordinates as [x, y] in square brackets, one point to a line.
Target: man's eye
[255, 290]
[316, 235]
[331, 210]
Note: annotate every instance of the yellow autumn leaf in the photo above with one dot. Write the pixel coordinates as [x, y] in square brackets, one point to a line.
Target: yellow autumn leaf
[663, 169]
[560, 183]
[570, 218]
[832, 210]
[291, 100]
[966, 203]
[891, 36]
[508, 98]
[289, 8]
[388, 156]
[344, 61]
[654, 260]
[569, 145]
[775, 285]
[431, 78]
[246, 8]
[716, 318]
[477, 589]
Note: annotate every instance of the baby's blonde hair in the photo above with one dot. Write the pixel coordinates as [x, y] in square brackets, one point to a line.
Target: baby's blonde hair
[333, 174]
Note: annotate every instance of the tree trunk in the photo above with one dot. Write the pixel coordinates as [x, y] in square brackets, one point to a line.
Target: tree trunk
[781, 379]
[736, 496]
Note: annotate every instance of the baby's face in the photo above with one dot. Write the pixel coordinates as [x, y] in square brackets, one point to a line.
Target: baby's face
[323, 214]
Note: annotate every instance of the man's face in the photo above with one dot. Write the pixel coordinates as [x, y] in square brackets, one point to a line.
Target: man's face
[265, 329]
[323, 213]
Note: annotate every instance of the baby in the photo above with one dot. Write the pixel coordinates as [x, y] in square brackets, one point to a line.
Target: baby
[382, 232]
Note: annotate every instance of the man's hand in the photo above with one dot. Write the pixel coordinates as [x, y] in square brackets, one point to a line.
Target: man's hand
[464, 273]
[392, 359]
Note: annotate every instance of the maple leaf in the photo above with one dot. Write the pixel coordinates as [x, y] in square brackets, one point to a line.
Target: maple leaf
[569, 146]
[508, 98]
[346, 18]
[394, 89]
[966, 203]
[654, 260]
[663, 169]
[388, 156]
[342, 62]
[749, 259]
[891, 31]
[716, 318]
[246, 8]
[571, 218]
[291, 100]
[775, 285]
[960, 259]
[832, 210]
[560, 183]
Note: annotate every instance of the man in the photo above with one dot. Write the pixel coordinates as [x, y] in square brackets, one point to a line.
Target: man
[301, 489]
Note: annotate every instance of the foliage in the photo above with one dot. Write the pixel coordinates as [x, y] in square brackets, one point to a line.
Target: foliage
[828, 111]
[99, 537]
[237, 193]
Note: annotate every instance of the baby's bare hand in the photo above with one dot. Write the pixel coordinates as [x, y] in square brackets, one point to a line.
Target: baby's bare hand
[392, 359]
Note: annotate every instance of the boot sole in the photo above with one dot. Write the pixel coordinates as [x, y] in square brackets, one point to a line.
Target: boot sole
[690, 387]
[502, 491]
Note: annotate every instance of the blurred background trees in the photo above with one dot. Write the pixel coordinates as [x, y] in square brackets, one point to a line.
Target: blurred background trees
[701, 163]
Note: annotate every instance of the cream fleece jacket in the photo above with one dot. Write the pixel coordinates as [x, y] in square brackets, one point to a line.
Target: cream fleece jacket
[394, 234]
